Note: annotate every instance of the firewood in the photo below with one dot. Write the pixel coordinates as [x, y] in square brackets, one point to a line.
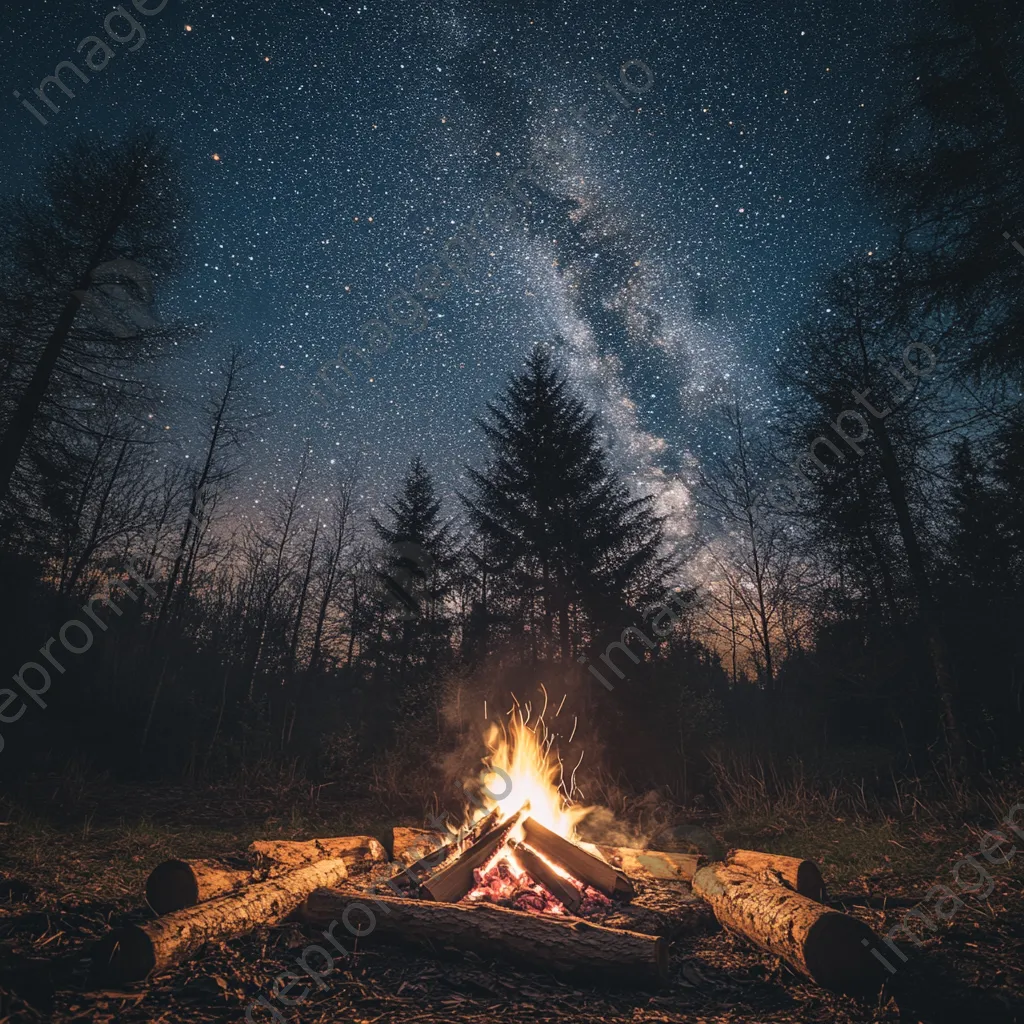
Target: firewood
[583, 866]
[830, 948]
[648, 865]
[410, 880]
[177, 884]
[664, 908]
[564, 947]
[455, 879]
[409, 845]
[562, 889]
[801, 876]
[281, 854]
[134, 952]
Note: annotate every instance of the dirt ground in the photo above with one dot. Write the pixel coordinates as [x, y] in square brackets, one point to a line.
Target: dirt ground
[70, 871]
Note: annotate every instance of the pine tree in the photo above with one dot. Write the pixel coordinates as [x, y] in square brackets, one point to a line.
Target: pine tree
[568, 536]
[415, 578]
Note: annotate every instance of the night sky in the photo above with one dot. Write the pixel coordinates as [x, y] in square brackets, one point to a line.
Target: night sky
[331, 150]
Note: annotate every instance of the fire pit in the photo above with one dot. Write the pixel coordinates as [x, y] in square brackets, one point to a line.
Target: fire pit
[516, 883]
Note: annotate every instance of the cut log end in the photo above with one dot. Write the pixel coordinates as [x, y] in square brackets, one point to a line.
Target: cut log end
[171, 886]
[838, 954]
[124, 955]
[830, 948]
[802, 876]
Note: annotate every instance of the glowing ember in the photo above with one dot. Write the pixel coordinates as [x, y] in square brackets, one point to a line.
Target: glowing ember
[503, 881]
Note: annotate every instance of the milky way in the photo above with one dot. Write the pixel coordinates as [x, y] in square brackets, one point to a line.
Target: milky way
[691, 172]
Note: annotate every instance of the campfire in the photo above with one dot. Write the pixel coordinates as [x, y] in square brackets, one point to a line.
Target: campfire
[515, 883]
[522, 853]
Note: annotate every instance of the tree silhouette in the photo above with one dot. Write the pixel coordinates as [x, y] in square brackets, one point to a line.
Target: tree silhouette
[79, 266]
[567, 535]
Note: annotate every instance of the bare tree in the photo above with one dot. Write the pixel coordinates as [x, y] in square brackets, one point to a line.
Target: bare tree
[79, 268]
[754, 559]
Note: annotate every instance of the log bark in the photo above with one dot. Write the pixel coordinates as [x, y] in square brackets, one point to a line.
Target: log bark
[176, 884]
[134, 952]
[275, 855]
[563, 947]
[583, 866]
[830, 948]
[648, 865]
[409, 845]
[665, 908]
[801, 876]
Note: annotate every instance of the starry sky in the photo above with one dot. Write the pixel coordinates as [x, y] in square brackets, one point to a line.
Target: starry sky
[689, 172]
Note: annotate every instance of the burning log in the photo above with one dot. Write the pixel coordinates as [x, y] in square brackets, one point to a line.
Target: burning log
[583, 866]
[413, 876]
[801, 876]
[649, 865]
[565, 947]
[540, 871]
[454, 880]
[134, 952]
[830, 948]
[177, 884]
[409, 845]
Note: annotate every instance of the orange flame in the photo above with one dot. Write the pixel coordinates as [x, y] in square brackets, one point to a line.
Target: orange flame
[522, 768]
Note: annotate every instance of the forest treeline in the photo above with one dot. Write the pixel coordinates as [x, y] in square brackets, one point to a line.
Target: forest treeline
[851, 599]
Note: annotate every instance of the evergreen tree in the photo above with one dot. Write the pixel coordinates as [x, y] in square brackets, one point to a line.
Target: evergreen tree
[568, 538]
[415, 577]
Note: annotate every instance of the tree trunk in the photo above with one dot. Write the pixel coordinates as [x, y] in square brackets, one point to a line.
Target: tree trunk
[830, 948]
[539, 941]
[134, 952]
[941, 661]
[801, 876]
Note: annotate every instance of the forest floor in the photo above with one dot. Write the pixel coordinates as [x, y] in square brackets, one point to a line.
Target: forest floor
[67, 874]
